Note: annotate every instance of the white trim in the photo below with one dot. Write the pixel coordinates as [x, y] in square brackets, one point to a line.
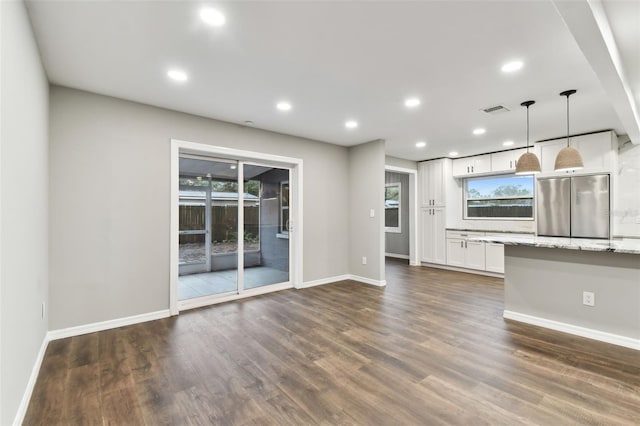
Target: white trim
[179, 147]
[589, 333]
[323, 281]
[397, 256]
[214, 299]
[107, 325]
[365, 280]
[414, 231]
[465, 270]
[26, 397]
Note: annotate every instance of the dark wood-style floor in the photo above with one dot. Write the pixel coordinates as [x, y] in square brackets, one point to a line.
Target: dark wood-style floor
[430, 348]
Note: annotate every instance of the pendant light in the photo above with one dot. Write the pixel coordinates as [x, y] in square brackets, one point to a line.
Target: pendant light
[528, 163]
[568, 158]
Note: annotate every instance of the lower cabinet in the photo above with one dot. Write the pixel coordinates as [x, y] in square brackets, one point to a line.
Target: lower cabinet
[464, 253]
[494, 257]
[433, 235]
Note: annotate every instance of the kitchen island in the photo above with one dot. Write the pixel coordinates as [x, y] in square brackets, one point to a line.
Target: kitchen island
[545, 279]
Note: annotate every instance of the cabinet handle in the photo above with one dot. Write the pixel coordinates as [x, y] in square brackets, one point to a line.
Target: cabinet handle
[467, 169]
[471, 169]
[461, 244]
[465, 244]
[510, 164]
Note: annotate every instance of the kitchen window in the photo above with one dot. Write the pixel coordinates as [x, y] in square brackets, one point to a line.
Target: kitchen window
[392, 198]
[499, 197]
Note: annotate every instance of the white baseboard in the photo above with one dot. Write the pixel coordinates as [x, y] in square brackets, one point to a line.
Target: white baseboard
[26, 397]
[589, 333]
[414, 263]
[379, 283]
[397, 256]
[106, 325]
[323, 281]
[465, 270]
[337, 278]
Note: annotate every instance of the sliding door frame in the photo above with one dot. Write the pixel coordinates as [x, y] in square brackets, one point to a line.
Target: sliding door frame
[295, 165]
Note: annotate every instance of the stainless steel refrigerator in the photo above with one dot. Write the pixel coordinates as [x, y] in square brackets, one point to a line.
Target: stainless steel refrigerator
[574, 206]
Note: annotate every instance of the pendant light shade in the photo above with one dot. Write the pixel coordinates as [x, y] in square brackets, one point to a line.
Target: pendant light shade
[528, 162]
[568, 158]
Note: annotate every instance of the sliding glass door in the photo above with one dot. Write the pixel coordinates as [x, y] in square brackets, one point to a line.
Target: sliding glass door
[227, 208]
[266, 226]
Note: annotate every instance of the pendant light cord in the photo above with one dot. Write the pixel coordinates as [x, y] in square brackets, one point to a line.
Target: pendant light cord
[568, 93]
[527, 128]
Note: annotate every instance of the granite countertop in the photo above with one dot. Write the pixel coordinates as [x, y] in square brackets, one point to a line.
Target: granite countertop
[616, 246]
[490, 230]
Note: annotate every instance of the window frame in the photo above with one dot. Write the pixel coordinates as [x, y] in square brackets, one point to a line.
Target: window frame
[393, 229]
[283, 228]
[465, 199]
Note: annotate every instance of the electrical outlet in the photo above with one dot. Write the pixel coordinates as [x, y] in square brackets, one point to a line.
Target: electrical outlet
[588, 298]
[364, 260]
[372, 213]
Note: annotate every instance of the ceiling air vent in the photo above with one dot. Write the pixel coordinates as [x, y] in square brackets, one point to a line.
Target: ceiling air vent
[498, 109]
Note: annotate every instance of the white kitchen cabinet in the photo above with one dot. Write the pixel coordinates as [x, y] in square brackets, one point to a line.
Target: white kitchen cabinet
[494, 257]
[432, 178]
[433, 235]
[464, 253]
[455, 252]
[469, 166]
[598, 151]
[506, 161]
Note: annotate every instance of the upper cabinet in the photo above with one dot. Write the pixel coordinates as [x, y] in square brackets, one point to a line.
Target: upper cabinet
[432, 176]
[478, 164]
[598, 151]
[506, 161]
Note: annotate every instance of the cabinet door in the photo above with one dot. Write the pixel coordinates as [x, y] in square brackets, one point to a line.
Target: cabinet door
[436, 188]
[548, 152]
[424, 181]
[455, 252]
[494, 257]
[474, 256]
[461, 167]
[481, 164]
[506, 161]
[439, 236]
[426, 240]
[596, 151]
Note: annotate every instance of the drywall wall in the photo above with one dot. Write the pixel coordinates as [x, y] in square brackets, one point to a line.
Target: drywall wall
[400, 162]
[24, 223]
[398, 242]
[626, 194]
[109, 209]
[366, 193]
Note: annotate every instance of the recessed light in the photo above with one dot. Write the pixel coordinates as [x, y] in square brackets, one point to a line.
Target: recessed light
[412, 102]
[512, 66]
[479, 131]
[212, 17]
[507, 143]
[351, 124]
[177, 75]
[283, 106]
[453, 154]
[421, 144]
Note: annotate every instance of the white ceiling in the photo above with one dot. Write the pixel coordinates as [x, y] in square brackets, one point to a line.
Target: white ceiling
[336, 61]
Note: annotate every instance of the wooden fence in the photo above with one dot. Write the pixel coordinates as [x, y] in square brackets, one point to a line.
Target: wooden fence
[224, 219]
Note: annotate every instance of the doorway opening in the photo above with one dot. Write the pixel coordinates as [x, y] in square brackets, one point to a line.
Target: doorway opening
[232, 224]
[400, 214]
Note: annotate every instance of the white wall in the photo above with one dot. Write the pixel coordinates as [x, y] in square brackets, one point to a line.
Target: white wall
[400, 162]
[626, 207]
[24, 224]
[366, 234]
[109, 209]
